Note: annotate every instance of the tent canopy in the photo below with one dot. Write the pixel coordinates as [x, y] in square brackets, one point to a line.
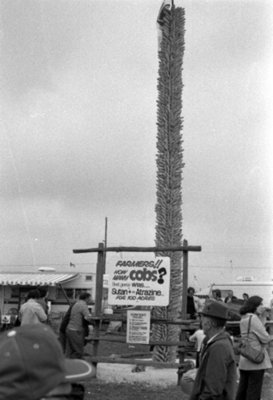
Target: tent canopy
[35, 279]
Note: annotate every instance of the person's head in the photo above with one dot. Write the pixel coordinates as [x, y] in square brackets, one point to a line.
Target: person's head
[252, 305]
[33, 294]
[191, 291]
[230, 294]
[245, 296]
[33, 364]
[43, 291]
[85, 296]
[213, 317]
[216, 293]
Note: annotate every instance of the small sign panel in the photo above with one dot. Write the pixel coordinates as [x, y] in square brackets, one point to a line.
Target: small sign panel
[5, 319]
[138, 326]
[139, 281]
[105, 280]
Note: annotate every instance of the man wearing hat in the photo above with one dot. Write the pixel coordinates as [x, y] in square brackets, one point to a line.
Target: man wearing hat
[33, 366]
[216, 376]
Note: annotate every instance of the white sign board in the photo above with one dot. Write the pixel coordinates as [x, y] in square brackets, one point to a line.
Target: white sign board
[138, 326]
[105, 280]
[5, 319]
[139, 280]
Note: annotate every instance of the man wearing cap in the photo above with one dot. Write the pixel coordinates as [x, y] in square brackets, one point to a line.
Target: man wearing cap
[216, 376]
[33, 366]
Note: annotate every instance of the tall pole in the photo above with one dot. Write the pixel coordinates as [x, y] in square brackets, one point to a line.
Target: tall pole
[98, 300]
[169, 161]
[105, 243]
[99, 281]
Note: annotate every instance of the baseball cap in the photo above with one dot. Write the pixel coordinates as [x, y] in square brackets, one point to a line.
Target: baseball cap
[33, 363]
[215, 309]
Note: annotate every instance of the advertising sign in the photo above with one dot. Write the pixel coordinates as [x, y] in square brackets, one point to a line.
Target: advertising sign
[138, 326]
[139, 280]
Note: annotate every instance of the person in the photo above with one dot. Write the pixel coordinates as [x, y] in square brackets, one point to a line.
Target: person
[63, 326]
[31, 312]
[77, 327]
[43, 299]
[191, 310]
[251, 375]
[230, 297]
[33, 366]
[245, 297]
[217, 295]
[216, 375]
[271, 302]
[198, 337]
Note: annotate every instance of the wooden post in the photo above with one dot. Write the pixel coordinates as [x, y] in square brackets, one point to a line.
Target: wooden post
[99, 280]
[98, 298]
[184, 303]
[185, 279]
[63, 292]
[270, 349]
[101, 250]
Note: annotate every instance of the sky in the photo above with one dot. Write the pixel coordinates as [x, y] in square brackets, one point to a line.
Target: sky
[78, 131]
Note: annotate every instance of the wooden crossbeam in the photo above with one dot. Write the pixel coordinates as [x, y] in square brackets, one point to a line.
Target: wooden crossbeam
[121, 249]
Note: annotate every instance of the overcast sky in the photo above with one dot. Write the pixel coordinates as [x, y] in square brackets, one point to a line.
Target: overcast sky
[78, 129]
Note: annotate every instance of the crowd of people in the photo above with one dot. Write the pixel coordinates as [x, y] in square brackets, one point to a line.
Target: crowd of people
[36, 364]
[74, 327]
[218, 373]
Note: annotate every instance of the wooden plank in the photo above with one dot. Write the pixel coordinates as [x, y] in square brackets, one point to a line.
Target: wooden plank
[151, 343]
[139, 249]
[119, 360]
[121, 317]
[185, 324]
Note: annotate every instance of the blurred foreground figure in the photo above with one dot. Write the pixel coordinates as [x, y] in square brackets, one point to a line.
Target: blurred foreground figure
[33, 366]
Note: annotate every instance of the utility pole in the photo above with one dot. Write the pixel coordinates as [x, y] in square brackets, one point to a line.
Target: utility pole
[105, 244]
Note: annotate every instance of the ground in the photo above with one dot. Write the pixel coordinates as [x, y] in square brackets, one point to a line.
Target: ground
[98, 390]
[118, 382]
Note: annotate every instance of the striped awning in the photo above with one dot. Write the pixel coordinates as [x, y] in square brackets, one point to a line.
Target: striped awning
[35, 279]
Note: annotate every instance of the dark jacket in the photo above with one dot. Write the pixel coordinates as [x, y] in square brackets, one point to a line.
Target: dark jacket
[216, 376]
[191, 307]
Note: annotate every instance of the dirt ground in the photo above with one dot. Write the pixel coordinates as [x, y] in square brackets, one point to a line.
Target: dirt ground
[98, 389]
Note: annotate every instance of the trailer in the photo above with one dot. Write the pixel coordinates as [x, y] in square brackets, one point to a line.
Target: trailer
[62, 288]
[263, 289]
